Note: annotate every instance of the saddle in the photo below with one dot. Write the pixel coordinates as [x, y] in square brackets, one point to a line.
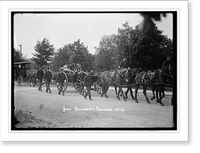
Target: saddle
[146, 77]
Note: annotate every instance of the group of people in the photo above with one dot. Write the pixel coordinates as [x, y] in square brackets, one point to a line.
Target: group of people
[61, 79]
[47, 76]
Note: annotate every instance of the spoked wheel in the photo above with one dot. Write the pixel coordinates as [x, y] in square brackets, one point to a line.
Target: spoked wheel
[79, 85]
[65, 84]
[100, 89]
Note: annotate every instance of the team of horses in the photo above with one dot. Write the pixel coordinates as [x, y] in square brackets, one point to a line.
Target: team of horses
[134, 78]
[127, 78]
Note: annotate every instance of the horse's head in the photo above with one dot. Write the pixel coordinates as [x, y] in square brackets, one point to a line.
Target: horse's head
[125, 75]
[129, 75]
[167, 73]
[167, 70]
[133, 73]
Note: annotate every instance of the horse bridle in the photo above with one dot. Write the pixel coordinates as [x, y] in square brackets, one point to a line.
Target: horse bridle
[123, 77]
[166, 73]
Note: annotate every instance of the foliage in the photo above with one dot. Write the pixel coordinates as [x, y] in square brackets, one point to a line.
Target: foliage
[73, 53]
[132, 47]
[106, 54]
[17, 56]
[44, 52]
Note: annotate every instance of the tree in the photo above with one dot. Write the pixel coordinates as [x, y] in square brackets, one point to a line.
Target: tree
[44, 52]
[17, 56]
[72, 54]
[126, 39]
[106, 54]
[145, 49]
[61, 57]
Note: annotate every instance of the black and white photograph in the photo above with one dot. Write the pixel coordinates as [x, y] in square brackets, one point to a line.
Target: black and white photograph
[94, 70]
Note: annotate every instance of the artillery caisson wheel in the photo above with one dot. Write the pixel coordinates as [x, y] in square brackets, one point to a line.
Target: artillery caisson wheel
[79, 85]
[65, 84]
[100, 89]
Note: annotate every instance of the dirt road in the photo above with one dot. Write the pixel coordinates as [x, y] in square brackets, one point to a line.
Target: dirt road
[40, 109]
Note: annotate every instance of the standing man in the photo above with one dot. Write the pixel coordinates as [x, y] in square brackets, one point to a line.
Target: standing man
[88, 84]
[40, 75]
[48, 77]
[60, 81]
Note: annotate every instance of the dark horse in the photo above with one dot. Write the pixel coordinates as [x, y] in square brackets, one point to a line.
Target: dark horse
[32, 77]
[118, 78]
[134, 72]
[156, 81]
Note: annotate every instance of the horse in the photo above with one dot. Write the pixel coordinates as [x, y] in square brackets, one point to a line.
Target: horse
[165, 77]
[32, 77]
[154, 80]
[117, 78]
[134, 72]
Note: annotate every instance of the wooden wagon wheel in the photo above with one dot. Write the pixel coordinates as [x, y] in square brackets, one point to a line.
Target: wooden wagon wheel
[99, 88]
[65, 83]
[79, 86]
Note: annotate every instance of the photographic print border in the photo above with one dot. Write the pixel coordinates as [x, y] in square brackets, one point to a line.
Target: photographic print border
[127, 129]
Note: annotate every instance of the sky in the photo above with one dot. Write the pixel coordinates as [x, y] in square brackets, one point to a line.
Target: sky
[62, 29]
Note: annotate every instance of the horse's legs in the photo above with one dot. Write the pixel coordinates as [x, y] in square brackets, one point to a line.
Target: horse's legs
[107, 87]
[120, 90]
[157, 93]
[161, 91]
[116, 90]
[123, 95]
[172, 100]
[118, 94]
[153, 91]
[145, 94]
[136, 91]
[126, 93]
[103, 90]
[131, 91]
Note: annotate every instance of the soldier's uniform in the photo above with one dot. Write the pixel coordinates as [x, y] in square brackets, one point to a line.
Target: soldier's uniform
[48, 77]
[60, 81]
[88, 84]
[40, 75]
